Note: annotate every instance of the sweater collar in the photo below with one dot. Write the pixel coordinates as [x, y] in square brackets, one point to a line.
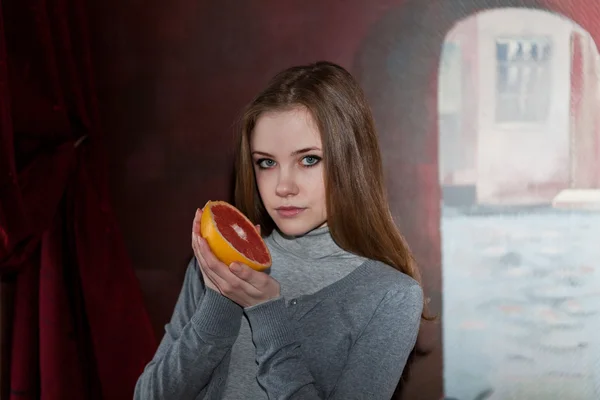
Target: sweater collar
[314, 245]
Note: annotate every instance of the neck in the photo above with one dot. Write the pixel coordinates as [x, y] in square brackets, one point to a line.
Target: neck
[315, 244]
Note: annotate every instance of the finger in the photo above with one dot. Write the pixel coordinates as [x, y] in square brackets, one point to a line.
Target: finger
[197, 220]
[196, 228]
[256, 279]
[221, 273]
[202, 251]
[212, 263]
[207, 254]
[214, 278]
[233, 287]
[196, 247]
[257, 228]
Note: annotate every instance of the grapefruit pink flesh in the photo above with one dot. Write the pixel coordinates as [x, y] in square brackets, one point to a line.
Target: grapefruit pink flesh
[232, 237]
[241, 235]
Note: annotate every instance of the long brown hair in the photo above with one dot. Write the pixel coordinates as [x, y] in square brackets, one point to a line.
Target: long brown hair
[358, 213]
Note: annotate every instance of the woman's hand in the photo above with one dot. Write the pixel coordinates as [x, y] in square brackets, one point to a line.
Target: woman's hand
[195, 235]
[237, 282]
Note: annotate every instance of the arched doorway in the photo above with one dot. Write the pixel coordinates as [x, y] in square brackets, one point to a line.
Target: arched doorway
[398, 66]
[518, 94]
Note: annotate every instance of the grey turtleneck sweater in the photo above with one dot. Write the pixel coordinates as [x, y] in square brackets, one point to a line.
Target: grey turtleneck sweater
[342, 328]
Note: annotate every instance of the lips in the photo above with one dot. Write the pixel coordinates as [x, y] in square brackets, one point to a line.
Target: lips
[289, 208]
[288, 211]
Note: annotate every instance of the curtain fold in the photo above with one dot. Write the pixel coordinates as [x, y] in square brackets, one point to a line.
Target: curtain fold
[80, 328]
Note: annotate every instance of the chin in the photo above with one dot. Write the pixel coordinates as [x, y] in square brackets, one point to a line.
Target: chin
[296, 227]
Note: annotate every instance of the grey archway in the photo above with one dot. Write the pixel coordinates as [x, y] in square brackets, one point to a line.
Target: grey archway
[397, 66]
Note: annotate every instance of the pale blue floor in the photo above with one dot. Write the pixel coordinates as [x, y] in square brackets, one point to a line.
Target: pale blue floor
[521, 296]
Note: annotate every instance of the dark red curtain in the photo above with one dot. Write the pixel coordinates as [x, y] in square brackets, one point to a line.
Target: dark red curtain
[80, 330]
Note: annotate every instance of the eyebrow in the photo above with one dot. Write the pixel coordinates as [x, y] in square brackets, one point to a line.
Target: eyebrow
[294, 153]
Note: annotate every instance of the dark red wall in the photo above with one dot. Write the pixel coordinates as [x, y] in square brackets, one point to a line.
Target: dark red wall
[172, 81]
[173, 77]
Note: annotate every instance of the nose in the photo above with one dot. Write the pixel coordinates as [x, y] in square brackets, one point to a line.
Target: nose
[286, 184]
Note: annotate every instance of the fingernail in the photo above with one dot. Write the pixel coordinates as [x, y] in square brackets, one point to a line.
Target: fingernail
[205, 244]
[235, 267]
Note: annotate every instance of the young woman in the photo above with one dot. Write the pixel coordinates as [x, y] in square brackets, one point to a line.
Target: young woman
[338, 313]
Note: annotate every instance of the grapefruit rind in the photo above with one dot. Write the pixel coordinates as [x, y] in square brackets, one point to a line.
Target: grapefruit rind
[220, 246]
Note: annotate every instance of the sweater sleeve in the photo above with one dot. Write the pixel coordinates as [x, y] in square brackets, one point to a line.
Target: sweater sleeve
[197, 340]
[375, 362]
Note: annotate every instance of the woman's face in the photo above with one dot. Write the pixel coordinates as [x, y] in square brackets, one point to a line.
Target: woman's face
[287, 153]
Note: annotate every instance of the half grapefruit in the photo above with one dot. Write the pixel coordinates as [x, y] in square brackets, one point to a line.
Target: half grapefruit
[232, 237]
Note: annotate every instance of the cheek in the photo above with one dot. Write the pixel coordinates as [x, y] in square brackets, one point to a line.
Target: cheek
[315, 182]
[262, 181]
[319, 179]
[323, 192]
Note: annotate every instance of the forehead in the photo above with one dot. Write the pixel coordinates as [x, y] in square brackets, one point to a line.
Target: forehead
[282, 132]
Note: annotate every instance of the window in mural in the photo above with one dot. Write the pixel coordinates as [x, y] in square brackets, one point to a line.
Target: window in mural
[449, 107]
[450, 79]
[523, 73]
[520, 225]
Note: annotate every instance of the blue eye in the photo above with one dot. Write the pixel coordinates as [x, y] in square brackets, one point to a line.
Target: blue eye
[265, 163]
[310, 161]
